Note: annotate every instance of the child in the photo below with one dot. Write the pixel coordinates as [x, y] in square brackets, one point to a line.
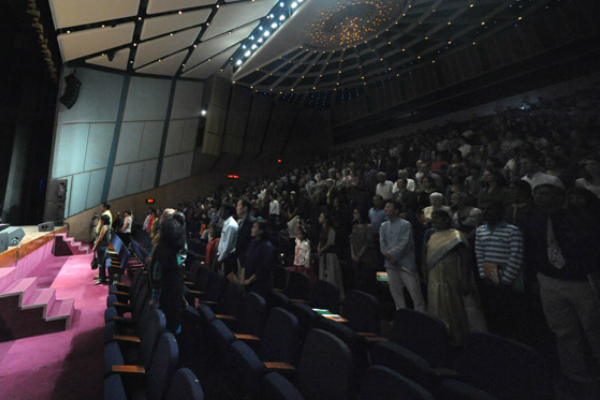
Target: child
[302, 252]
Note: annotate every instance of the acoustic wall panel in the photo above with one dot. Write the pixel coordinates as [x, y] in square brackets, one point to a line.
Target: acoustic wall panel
[129, 142]
[94, 193]
[187, 102]
[98, 145]
[98, 99]
[134, 178]
[165, 173]
[118, 182]
[70, 149]
[190, 131]
[79, 190]
[147, 100]
[174, 137]
[151, 139]
[148, 175]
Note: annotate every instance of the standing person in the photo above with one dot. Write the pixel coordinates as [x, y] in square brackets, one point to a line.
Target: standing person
[274, 209]
[301, 252]
[126, 228]
[329, 266]
[214, 236]
[104, 210]
[256, 274]
[165, 273]
[245, 222]
[226, 258]
[397, 246]
[101, 248]
[376, 214]
[384, 187]
[530, 165]
[565, 256]
[451, 290]
[364, 253]
[499, 252]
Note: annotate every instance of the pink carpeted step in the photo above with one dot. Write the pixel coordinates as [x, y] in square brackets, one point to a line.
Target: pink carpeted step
[62, 309]
[23, 287]
[41, 298]
[7, 277]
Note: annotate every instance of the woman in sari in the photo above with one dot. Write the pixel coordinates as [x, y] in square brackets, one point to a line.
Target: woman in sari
[452, 294]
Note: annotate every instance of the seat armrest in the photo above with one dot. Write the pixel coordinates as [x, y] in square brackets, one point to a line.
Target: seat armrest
[245, 336]
[126, 339]
[279, 366]
[129, 369]
[443, 373]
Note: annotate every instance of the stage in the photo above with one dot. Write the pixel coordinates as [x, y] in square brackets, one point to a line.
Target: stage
[32, 240]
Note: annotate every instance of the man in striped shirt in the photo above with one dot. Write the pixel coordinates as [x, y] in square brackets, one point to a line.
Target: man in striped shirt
[499, 252]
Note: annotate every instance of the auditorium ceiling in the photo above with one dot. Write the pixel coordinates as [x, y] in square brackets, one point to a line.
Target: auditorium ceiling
[269, 45]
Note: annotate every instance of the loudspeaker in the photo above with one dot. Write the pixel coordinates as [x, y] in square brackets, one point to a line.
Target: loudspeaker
[46, 227]
[3, 242]
[15, 234]
[71, 93]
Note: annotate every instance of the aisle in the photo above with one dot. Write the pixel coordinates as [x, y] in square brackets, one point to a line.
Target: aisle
[65, 365]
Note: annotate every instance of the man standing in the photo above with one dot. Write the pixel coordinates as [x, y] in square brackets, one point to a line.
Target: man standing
[226, 251]
[396, 242]
[376, 214]
[126, 227]
[564, 253]
[384, 187]
[245, 221]
[104, 210]
[499, 252]
[530, 166]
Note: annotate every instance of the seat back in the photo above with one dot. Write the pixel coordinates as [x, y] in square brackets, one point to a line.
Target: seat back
[281, 336]
[155, 327]
[280, 276]
[215, 287]
[325, 295]
[325, 369]
[279, 388]
[362, 312]
[307, 318]
[161, 369]
[217, 344]
[503, 368]
[298, 286]
[381, 383]
[231, 300]
[404, 362]
[186, 386]
[251, 318]
[246, 379]
[425, 335]
[277, 299]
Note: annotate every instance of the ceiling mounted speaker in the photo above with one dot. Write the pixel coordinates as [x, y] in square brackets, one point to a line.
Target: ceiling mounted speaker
[71, 91]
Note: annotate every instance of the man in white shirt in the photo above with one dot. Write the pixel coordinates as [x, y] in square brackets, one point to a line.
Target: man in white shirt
[410, 183]
[530, 166]
[126, 227]
[273, 209]
[226, 258]
[384, 187]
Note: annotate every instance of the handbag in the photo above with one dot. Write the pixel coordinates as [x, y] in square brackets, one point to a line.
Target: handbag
[94, 263]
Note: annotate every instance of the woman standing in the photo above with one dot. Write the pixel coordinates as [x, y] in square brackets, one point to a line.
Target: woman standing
[101, 248]
[165, 273]
[494, 188]
[364, 253]
[329, 266]
[466, 218]
[257, 272]
[452, 294]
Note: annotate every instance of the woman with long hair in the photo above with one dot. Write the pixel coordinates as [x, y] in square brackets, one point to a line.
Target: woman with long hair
[101, 248]
[329, 265]
[165, 273]
[257, 272]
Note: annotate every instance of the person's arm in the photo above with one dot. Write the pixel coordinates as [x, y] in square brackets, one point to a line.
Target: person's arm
[513, 269]
[102, 232]
[403, 243]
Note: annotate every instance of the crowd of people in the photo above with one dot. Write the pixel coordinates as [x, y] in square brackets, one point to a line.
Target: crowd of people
[479, 221]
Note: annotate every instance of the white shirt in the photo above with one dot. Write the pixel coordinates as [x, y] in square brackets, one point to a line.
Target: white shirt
[274, 207]
[384, 189]
[126, 228]
[410, 185]
[228, 239]
[541, 178]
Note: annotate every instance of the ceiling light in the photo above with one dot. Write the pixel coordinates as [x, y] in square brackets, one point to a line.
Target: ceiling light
[247, 54]
[267, 33]
[294, 5]
[282, 17]
[203, 112]
[274, 25]
[254, 47]
[238, 62]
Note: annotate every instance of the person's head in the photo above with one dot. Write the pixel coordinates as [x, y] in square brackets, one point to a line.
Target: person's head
[519, 191]
[401, 183]
[427, 182]
[381, 177]
[359, 215]
[259, 229]
[301, 233]
[474, 170]
[377, 201]
[325, 219]
[227, 210]
[172, 235]
[441, 220]
[591, 167]
[529, 162]
[458, 199]
[402, 174]
[166, 214]
[127, 213]
[436, 199]
[243, 207]
[214, 230]
[392, 209]
[492, 212]
[548, 197]
[179, 217]
[581, 199]
[105, 219]
[105, 206]
[493, 176]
